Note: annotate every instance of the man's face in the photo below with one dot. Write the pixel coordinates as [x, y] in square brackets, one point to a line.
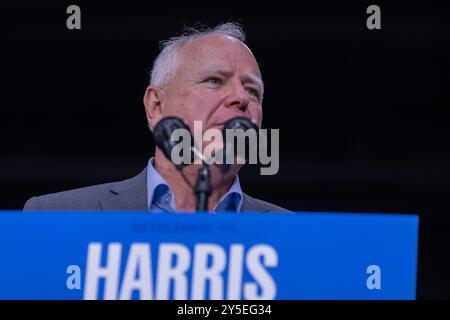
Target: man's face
[217, 79]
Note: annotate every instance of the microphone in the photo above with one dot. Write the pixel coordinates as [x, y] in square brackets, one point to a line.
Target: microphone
[162, 134]
[163, 138]
[238, 123]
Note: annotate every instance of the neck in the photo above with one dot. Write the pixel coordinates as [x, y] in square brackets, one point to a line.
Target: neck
[184, 195]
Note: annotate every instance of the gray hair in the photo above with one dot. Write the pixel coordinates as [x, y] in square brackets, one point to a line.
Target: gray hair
[166, 63]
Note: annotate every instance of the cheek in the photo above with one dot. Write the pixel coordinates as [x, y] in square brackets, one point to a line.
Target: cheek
[202, 103]
[177, 104]
[192, 105]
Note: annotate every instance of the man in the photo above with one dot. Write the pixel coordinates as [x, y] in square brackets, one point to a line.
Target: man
[209, 76]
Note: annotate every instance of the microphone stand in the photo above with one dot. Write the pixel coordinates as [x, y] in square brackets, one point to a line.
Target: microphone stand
[203, 188]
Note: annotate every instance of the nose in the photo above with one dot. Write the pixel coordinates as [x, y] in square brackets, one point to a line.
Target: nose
[238, 98]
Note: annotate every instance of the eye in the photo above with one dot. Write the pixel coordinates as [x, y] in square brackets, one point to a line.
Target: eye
[213, 81]
[253, 91]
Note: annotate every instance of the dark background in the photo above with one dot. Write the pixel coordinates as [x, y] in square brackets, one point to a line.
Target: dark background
[363, 114]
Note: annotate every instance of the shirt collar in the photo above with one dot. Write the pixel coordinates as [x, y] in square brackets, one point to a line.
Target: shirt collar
[160, 197]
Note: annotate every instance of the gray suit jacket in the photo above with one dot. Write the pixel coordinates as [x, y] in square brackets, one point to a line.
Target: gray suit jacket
[130, 194]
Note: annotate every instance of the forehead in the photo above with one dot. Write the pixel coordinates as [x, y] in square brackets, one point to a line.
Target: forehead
[218, 50]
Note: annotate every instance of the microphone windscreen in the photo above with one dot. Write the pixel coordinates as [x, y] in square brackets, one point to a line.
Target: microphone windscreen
[242, 124]
[162, 134]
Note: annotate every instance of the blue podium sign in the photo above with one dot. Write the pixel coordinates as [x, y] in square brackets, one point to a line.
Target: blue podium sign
[141, 255]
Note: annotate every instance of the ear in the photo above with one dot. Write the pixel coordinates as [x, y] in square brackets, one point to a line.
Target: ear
[153, 99]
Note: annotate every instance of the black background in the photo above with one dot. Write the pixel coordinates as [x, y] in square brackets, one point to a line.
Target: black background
[363, 114]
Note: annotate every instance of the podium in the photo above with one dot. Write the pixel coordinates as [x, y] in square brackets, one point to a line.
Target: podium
[238, 256]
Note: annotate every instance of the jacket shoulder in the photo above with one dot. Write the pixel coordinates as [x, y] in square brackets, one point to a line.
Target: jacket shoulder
[88, 198]
[85, 198]
[254, 204]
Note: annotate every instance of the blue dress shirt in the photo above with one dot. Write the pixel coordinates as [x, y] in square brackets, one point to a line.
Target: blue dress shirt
[161, 199]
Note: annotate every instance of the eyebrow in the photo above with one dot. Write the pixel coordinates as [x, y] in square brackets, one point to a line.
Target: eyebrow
[248, 78]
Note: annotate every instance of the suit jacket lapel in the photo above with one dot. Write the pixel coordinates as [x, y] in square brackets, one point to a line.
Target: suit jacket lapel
[129, 194]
